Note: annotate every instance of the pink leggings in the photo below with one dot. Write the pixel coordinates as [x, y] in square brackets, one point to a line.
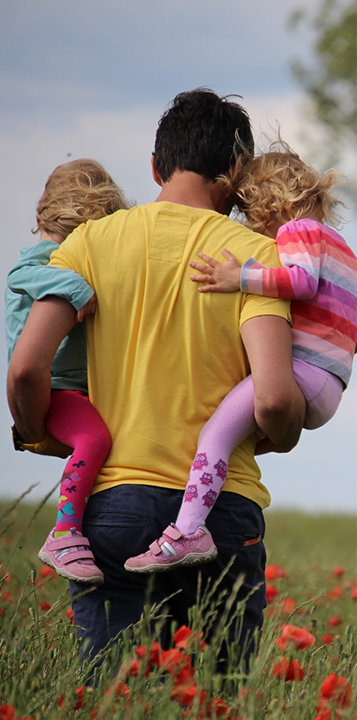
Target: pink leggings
[75, 422]
[232, 422]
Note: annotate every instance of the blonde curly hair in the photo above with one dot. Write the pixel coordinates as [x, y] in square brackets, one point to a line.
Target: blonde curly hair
[75, 192]
[277, 186]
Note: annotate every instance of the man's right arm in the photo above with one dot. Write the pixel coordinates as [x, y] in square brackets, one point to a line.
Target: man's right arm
[29, 375]
[279, 405]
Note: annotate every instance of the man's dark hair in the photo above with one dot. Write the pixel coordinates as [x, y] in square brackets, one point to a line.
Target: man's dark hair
[197, 133]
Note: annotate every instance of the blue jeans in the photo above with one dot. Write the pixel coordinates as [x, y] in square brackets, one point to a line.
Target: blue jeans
[124, 520]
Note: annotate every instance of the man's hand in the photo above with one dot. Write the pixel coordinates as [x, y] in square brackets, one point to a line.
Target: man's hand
[53, 448]
[88, 309]
[221, 277]
[265, 446]
[57, 449]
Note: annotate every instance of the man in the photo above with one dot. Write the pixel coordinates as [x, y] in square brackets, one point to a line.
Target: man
[160, 359]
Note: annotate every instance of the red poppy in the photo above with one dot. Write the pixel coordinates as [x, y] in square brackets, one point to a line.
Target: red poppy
[338, 571]
[133, 668]
[334, 621]
[70, 613]
[288, 670]
[336, 592]
[336, 687]
[7, 712]
[289, 606]
[185, 676]
[2, 612]
[80, 697]
[122, 690]
[299, 637]
[270, 593]
[141, 651]
[185, 694]
[216, 708]
[154, 656]
[47, 572]
[155, 653]
[45, 606]
[185, 637]
[173, 660]
[182, 636]
[272, 572]
[354, 593]
[325, 714]
[327, 639]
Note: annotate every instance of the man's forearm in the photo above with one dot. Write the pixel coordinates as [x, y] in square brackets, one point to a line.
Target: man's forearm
[29, 400]
[282, 424]
[279, 405]
[29, 376]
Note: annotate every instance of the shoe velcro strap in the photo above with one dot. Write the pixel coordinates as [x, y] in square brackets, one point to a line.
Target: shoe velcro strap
[172, 532]
[155, 547]
[66, 541]
[76, 555]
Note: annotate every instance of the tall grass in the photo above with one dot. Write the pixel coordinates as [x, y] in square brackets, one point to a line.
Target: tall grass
[310, 585]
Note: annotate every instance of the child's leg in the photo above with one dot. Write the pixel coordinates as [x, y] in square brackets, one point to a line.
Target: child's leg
[74, 421]
[229, 425]
[185, 542]
[322, 391]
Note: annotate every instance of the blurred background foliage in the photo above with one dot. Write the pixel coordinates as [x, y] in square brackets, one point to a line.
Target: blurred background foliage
[330, 81]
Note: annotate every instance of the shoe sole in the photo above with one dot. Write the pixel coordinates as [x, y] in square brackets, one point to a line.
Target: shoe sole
[191, 559]
[46, 560]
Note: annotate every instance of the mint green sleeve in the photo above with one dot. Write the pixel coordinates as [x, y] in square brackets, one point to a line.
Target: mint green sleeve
[37, 281]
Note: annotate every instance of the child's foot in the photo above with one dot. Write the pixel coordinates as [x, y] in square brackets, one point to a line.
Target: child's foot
[71, 557]
[173, 549]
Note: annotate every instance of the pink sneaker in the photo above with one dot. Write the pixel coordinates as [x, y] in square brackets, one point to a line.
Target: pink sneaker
[71, 557]
[174, 549]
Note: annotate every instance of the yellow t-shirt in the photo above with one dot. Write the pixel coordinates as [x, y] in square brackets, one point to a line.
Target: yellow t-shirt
[161, 355]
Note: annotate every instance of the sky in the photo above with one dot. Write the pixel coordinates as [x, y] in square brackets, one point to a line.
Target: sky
[91, 79]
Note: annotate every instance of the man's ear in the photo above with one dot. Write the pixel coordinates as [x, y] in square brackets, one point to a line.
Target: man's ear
[154, 171]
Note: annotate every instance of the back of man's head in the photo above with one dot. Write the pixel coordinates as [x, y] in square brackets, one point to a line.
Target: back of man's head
[197, 133]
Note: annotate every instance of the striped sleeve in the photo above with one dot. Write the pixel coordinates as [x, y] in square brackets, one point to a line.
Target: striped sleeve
[300, 256]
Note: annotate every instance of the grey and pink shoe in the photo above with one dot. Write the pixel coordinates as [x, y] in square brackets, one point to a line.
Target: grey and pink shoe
[71, 557]
[173, 549]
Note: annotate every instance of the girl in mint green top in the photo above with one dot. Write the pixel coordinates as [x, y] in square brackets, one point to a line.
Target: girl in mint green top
[75, 192]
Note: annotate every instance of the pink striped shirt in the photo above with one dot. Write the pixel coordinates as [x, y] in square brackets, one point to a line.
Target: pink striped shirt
[319, 275]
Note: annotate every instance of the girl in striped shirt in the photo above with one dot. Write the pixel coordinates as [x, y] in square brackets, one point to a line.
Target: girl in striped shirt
[282, 197]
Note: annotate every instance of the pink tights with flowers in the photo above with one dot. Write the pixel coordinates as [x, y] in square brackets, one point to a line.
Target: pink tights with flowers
[231, 423]
[74, 421]
[218, 438]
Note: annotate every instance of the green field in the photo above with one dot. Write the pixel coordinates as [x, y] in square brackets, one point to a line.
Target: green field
[312, 586]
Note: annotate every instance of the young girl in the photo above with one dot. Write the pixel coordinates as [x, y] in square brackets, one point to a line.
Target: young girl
[75, 192]
[280, 196]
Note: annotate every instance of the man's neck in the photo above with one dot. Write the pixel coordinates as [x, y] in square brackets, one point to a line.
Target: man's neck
[189, 188]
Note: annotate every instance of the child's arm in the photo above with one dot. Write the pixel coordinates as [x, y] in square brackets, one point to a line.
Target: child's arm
[38, 281]
[222, 277]
[299, 252]
[290, 283]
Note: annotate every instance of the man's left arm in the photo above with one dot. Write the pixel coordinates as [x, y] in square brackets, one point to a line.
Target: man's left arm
[29, 375]
[279, 405]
